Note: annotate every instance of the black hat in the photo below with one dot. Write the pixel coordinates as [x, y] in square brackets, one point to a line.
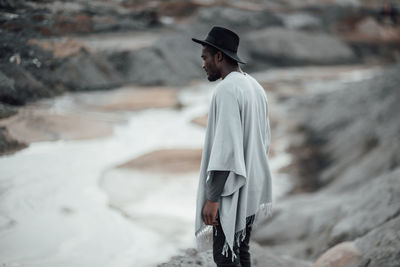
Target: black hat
[223, 39]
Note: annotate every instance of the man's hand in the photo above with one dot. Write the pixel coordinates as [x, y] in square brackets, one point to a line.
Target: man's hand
[210, 212]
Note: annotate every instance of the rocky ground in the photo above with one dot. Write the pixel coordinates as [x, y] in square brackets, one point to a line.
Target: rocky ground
[350, 149]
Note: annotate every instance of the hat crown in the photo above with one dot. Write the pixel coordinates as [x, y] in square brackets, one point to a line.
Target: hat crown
[223, 38]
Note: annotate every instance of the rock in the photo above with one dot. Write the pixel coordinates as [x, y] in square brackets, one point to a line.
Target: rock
[17, 85]
[6, 111]
[363, 191]
[300, 20]
[65, 48]
[260, 257]
[177, 8]
[169, 160]
[7, 85]
[369, 26]
[362, 148]
[11, 4]
[369, 211]
[57, 7]
[263, 257]
[345, 254]
[191, 258]
[335, 17]
[380, 247]
[339, 216]
[308, 235]
[8, 144]
[87, 71]
[173, 60]
[237, 19]
[284, 47]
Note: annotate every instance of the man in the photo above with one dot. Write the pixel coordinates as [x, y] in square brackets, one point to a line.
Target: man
[235, 180]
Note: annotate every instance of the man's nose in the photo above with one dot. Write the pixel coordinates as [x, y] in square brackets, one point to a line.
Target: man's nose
[204, 66]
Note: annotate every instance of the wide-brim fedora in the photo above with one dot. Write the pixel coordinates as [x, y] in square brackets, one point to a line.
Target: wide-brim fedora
[224, 40]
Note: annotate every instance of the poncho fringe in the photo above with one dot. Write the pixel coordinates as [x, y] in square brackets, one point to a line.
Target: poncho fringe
[204, 235]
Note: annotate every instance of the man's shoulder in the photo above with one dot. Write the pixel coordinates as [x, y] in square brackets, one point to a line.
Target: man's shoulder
[226, 86]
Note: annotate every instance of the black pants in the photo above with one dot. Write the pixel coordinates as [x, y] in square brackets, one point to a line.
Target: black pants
[242, 252]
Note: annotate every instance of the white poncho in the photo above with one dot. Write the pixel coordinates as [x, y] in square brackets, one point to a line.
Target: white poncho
[237, 140]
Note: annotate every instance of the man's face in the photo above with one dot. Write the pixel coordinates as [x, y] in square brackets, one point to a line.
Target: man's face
[210, 66]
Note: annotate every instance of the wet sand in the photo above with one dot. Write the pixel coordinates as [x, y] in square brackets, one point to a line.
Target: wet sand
[168, 160]
[84, 115]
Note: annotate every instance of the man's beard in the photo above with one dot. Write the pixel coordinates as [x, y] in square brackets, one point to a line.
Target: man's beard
[214, 76]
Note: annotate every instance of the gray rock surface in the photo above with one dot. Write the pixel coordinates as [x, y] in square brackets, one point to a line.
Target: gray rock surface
[87, 71]
[17, 85]
[6, 111]
[7, 143]
[283, 47]
[380, 247]
[173, 60]
[361, 148]
[300, 20]
[237, 19]
[362, 193]
[261, 257]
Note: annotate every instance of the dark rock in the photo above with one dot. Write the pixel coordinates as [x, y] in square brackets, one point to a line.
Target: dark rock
[87, 71]
[6, 111]
[17, 85]
[11, 4]
[8, 144]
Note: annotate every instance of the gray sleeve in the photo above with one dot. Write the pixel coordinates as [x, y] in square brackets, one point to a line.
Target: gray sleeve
[215, 185]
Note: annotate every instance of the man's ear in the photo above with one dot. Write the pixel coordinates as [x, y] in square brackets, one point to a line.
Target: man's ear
[219, 56]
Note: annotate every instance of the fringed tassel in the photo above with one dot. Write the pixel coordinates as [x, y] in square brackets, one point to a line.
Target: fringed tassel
[225, 251]
[239, 237]
[266, 209]
[204, 232]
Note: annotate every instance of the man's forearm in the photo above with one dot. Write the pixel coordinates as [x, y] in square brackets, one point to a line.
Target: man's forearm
[215, 185]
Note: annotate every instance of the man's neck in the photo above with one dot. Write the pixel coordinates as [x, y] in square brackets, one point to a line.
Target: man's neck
[229, 69]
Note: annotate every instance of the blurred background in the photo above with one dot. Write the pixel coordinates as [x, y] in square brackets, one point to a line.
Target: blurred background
[103, 108]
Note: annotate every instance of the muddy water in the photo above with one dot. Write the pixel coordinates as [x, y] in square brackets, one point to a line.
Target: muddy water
[64, 203]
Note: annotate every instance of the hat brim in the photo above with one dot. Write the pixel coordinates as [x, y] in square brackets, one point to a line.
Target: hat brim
[226, 52]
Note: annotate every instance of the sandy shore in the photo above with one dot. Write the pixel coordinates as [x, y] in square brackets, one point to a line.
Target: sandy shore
[84, 115]
[168, 160]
